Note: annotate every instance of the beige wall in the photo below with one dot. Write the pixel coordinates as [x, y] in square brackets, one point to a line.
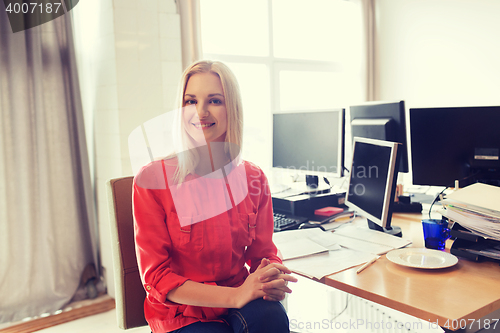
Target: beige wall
[438, 52]
[129, 59]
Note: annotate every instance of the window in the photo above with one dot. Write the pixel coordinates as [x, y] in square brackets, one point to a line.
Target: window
[287, 55]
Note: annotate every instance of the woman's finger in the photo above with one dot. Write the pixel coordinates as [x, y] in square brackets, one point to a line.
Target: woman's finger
[280, 285]
[286, 277]
[274, 273]
[263, 263]
[282, 268]
[273, 270]
[275, 298]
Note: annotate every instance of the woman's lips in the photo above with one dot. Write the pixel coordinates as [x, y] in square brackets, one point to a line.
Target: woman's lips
[202, 126]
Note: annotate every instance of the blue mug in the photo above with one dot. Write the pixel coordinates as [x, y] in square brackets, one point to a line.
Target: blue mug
[436, 232]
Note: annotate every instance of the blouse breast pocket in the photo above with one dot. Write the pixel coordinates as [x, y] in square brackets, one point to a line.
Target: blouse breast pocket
[188, 237]
[247, 224]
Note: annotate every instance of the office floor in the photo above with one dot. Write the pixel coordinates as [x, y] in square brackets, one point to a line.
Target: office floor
[305, 292]
[311, 307]
[101, 323]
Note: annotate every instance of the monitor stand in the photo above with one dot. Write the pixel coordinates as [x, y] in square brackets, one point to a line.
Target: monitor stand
[405, 205]
[393, 230]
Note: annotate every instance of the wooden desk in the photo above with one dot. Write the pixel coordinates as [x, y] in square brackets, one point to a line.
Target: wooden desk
[467, 291]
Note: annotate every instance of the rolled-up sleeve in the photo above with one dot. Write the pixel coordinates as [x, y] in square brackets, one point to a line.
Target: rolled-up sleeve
[152, 241]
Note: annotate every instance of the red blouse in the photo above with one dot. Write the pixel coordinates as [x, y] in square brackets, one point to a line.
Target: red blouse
[203, 230]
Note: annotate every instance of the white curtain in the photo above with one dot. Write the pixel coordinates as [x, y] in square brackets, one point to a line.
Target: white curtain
[47, 231]
[189, 11]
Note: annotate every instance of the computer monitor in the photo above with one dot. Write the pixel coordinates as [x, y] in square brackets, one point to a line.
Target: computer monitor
[455, 143]
[310, 142]
[372, 182]
[382, 121]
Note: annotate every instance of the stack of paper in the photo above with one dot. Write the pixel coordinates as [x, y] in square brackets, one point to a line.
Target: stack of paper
[476, 208]
[303, 242]
[367, 240]
[316, 253]
[320, 265]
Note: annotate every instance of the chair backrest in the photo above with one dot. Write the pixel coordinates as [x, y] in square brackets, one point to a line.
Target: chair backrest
[129, 291]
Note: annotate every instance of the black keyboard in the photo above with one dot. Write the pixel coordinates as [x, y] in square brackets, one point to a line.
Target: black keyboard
[287, 222]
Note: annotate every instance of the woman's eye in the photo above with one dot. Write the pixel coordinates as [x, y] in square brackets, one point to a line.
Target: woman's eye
[216, 101]
[190, 102]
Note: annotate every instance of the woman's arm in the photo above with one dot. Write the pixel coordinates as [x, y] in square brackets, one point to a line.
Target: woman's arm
[257, 285]
[263, 246]
[152, 238]
[200, 294]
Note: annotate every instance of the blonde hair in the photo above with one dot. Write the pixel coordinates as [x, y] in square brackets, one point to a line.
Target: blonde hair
[188, 158]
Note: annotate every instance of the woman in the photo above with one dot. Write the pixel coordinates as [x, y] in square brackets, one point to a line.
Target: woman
[202, 215]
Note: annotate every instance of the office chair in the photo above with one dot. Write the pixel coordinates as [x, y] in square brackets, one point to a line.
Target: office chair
[130, 294]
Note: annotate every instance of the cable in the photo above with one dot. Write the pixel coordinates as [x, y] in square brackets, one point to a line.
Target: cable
[343, 310]
[435, 199]
[440, 193]
[327, 182]
[345, 178]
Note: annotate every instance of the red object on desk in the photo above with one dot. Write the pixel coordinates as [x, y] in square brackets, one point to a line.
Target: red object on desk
[328, 211]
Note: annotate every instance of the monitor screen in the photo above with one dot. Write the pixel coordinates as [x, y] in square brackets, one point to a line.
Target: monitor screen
[455, 143]
[372, 181]
[382, 121]
[311, 142]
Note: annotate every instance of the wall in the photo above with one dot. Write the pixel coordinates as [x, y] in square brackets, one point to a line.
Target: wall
[438, 52]
[129, 60]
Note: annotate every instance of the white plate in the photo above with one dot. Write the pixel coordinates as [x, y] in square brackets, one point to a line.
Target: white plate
[422, 258]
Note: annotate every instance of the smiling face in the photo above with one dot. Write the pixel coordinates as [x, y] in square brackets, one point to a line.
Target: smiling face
[205, 113]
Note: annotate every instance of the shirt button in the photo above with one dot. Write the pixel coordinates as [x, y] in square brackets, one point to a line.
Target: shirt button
[148, 287]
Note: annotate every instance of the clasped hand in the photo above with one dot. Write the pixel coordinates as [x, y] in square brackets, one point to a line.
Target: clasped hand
[269, 281]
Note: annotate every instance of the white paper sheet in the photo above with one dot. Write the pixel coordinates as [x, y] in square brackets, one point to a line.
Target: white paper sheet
[299, 243]
[320, 265]
[361, 245]
[372, 236]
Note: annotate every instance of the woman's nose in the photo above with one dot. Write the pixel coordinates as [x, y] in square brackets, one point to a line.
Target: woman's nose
[202, 109]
